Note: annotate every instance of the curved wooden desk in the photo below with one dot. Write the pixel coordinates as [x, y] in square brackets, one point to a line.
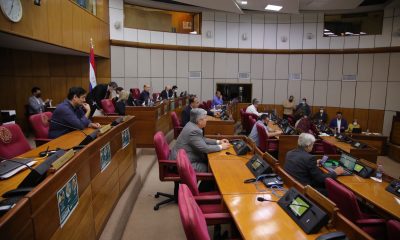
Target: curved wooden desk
[216, 126]
[36, 215]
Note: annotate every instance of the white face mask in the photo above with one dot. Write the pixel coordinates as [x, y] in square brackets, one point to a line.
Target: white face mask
[354, 123]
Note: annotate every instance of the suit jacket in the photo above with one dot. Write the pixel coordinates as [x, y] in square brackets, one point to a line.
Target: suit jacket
[343, 124]
[144, 97]
[196, 146]
[36, 106]
[185, 115]
[324, 117]
[97, 94]
[303, 167]
[165, 95]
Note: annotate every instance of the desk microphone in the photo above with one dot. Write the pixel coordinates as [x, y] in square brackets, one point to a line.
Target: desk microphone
[229, 153]
[261, 199]
[67, 126]
[87, 140]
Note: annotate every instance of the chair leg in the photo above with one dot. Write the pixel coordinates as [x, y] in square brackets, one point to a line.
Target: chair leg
[170, 197]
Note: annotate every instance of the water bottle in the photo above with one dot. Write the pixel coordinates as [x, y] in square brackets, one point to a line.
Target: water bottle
[379, 172]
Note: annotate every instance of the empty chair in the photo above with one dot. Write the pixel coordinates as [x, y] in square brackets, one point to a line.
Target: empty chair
[193, 219]
[166, 168]
[347, 203]
[265, 143]
[40, 125]
[108, 107]
[393, 229]
[176, 124]
[12, 141]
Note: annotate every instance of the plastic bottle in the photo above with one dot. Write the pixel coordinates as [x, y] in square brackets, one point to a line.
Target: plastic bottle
[379, 172]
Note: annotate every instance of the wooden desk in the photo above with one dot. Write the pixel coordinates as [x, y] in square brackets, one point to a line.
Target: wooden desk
[263, 220]
[216, 126]
[36, 216]
[377, 141]
[150, 120]
[374, 193]
[368, 153]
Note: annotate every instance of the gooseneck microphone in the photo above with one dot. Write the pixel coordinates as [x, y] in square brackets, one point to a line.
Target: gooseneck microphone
[261, 199]
[229, 153]
[67, 126]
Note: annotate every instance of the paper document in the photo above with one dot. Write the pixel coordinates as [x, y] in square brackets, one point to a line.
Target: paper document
[18, 169]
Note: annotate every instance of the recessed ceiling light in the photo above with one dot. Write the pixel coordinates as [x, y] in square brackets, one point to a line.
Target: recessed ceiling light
[243, 2]
[273, 7]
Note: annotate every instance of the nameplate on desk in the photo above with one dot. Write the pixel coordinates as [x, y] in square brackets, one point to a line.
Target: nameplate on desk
[105, 156]
[104, 129]
[62, 160]
[67, 199]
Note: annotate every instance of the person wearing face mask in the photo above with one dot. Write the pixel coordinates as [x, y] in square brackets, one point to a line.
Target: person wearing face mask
[304, 107]
[321, 116]
[288, 107]
[36, 103]
[352, 126]
[98, 93]
[263, 120]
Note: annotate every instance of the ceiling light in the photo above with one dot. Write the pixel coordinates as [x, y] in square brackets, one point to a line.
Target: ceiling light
[348, 33]
[243, 2]
[328, 33]
[273, 7]
[194, 32]
[327, 30]
[363, 33]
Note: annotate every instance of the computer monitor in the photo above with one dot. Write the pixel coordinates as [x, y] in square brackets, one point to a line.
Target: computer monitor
[347, 161]
[299, 206]
[356, 130]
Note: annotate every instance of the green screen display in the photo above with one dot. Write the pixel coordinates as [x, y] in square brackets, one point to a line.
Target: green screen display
[298, 206]
[358, 167]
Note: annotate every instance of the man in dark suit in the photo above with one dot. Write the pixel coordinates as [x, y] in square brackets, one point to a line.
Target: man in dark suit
[321, 116]
[98, 93]
[194, 102]
[145, 95]
[303, 166]
[166, 93]
[338, 124]
[195, 144]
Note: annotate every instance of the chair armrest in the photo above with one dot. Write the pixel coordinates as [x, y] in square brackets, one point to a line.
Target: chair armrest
[178, 128]
[204, 176]
[272, 140]
[167, 162]
[370, 222]
[217, 218]
[208, 199]
[112, 114]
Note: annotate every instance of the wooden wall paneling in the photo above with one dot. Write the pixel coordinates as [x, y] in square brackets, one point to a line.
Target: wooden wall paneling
[85, 67]
[40, 64]
[22, 63]
[315, 109]
[331, 111]
[86, 25]
[59, 89]
[40, 27]
[6, 62]
[106, 40]
[362, 117]
[55, 21]
[67, 30]
[25, 26]
[102, 10]
[375, 120]
[7, 92]
[77, 15]
[103, 67]
[81, 224]
[73, 66]
[74, 82]
[57, 65]
[348, 114]
[23, 87]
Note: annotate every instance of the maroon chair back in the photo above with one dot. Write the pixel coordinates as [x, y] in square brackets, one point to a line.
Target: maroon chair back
[155, 96]
[241, 111]
[393, 229]
[344, 198]
[176, 124]
[40, 124]
[161, 146]
[193, 220]
[262, 138]
[318, 148]
[108, 106]
[209, 103]
[186, 172]
[12, 141]
[329, 148]
[135, 93]
[252, 121]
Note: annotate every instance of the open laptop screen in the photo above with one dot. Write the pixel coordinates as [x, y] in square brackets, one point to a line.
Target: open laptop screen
[347, 161]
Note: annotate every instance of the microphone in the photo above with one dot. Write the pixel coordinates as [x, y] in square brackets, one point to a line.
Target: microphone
[67, 126]
[261, 199]
[116, 121]
[229, 153]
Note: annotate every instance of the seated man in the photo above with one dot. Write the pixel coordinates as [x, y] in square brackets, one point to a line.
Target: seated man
[338, 124]
[36, 103]
[70, 114]
[264, 120]
[305, 125]
[194, 102]
[304, 167]
[253, 107]
[196, 145]
[145, 95]
[166, 93]
[217, 100]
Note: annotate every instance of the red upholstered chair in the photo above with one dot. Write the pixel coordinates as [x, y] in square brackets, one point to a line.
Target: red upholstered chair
[329, 148]
[155, 96]
[318, 148]
[347, 203]
[252, 122]
[12, 141]
[135, 93]
[393, 229]
[177, 124]
[166, 170]
[108, 107]
[40, 125]
[265, 143]
[193, 219]
[247, 125]
[209, 103]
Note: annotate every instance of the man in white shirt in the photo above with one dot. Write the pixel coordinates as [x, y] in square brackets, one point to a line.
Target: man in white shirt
[253, 107]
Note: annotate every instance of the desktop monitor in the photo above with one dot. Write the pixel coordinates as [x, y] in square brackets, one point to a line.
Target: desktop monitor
[299, 206]
[347, 161]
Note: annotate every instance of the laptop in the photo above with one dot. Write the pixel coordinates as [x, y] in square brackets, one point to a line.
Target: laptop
[346, 161]
[356, 130]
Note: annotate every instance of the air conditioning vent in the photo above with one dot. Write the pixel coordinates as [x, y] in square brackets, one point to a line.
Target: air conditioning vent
[244, 75]
[349, 78]
[195, 74]
[295, 76]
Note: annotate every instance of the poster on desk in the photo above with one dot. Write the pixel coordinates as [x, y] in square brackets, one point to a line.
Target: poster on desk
[126, 137]
[67, 199]
[105, 156]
